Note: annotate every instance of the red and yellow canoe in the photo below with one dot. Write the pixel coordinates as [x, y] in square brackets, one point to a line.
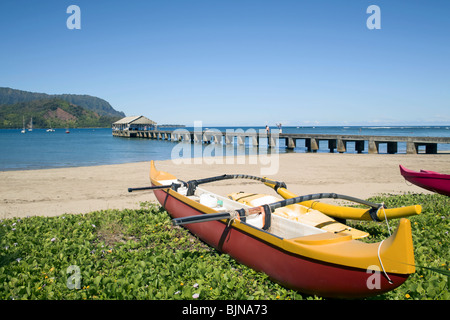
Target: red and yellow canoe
[294, 254]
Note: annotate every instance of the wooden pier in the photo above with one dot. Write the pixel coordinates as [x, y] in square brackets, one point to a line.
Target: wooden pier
[335, 142]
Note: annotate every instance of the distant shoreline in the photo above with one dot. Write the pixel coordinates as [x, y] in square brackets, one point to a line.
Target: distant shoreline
[437, 126]
[62, 128]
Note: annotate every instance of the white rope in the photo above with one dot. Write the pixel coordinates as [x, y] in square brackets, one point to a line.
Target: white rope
[233, 215]
[381, 263]
[379, 247]
[385, 217]
[408, 184]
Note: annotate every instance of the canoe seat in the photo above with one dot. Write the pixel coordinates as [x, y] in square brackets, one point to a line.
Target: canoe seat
[322, 238]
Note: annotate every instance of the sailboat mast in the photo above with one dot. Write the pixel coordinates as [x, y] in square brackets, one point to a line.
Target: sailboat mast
[23, 125]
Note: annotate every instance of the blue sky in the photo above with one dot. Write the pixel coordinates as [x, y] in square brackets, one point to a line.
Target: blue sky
[237, 62]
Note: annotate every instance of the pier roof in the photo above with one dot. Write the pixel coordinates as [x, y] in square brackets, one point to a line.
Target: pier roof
[135, 120]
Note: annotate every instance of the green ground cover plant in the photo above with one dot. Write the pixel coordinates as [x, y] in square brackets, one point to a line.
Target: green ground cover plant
[138, 254]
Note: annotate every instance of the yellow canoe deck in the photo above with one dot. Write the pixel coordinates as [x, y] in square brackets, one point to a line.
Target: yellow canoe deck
[299, 213]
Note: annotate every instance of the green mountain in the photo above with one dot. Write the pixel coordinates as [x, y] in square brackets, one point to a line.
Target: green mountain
[54, 112]
[10, 96]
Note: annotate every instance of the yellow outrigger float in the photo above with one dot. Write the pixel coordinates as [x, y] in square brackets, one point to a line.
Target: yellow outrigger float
[341, 212]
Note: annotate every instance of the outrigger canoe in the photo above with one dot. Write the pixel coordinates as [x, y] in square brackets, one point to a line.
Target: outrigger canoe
[429, 180]
[342, 212]
[294, 254]
[299, 213]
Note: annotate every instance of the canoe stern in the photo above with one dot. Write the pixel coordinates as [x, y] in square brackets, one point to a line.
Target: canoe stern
[397, 251]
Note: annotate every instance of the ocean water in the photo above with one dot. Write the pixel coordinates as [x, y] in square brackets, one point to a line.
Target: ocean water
[87, 147]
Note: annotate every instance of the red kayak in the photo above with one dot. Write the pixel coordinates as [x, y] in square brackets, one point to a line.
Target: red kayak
[430, 180]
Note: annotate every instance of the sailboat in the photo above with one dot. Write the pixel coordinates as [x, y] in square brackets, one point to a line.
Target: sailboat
[31, 125]
[50, 129]
[23, 130]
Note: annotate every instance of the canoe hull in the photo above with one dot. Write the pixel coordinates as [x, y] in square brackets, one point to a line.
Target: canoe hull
[291, 270]
[429, 180]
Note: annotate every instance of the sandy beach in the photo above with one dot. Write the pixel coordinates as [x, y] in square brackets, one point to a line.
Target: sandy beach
[53, 192]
